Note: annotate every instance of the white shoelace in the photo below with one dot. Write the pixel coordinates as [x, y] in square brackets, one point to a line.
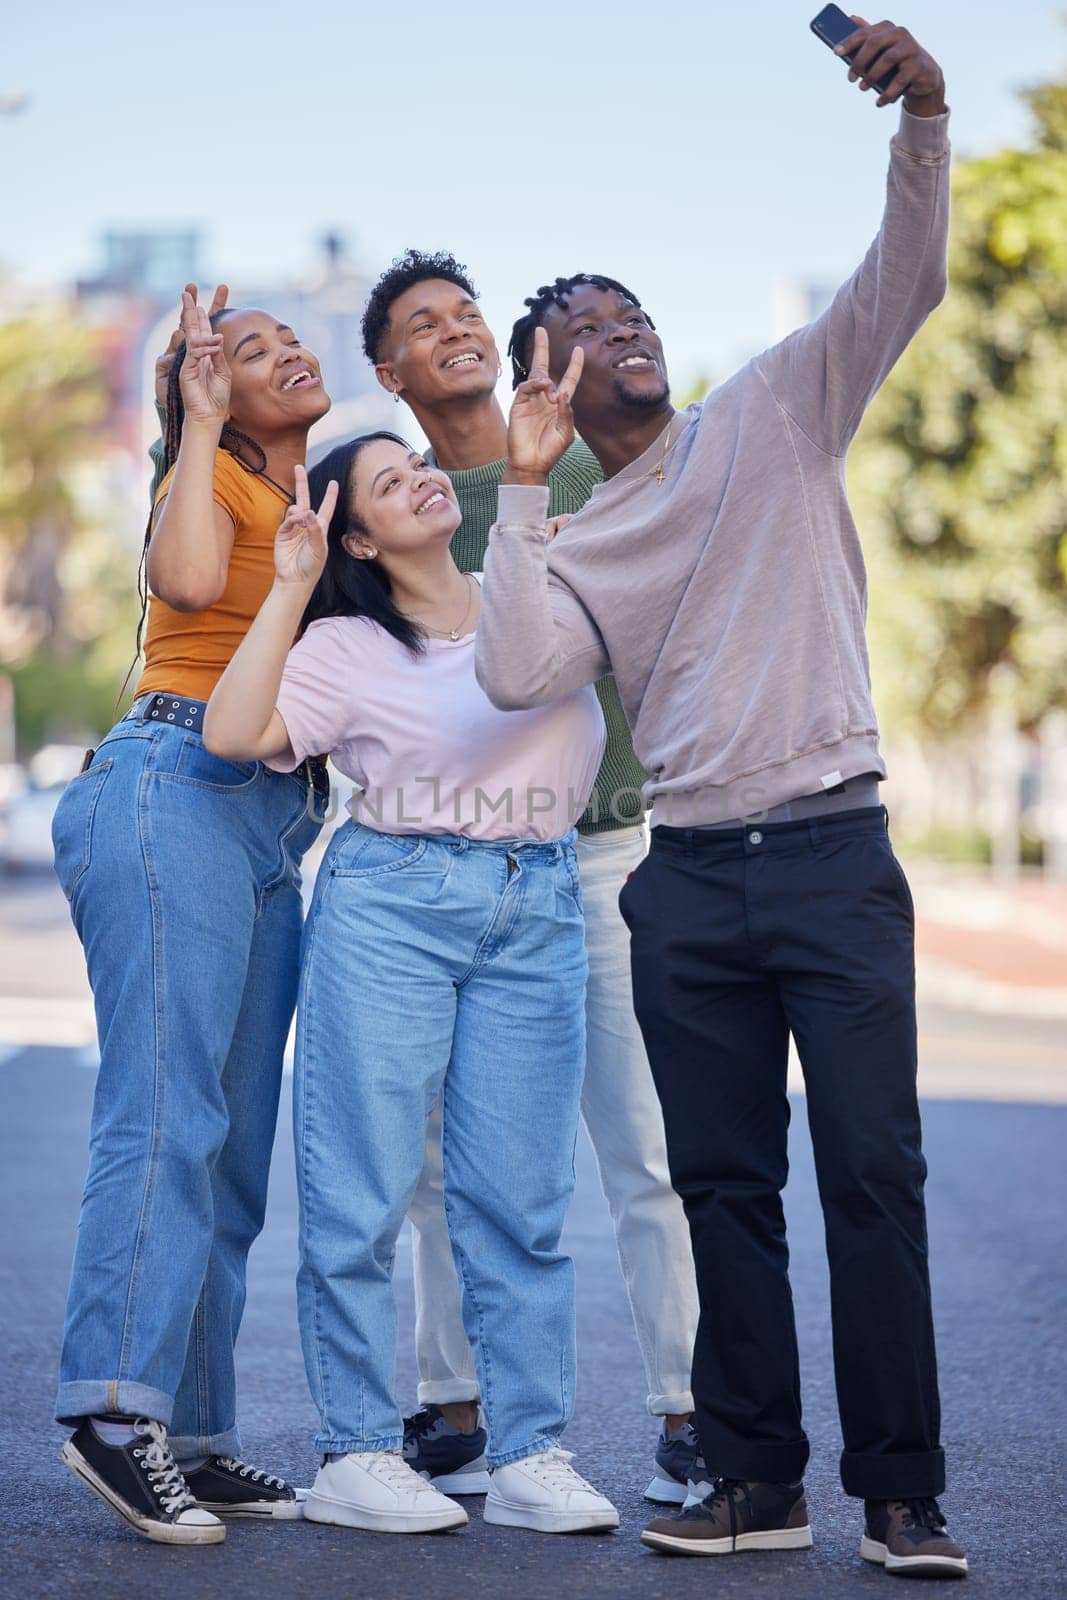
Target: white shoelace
[256, 1474]
[392, 1469]
[553, 1469]
[162, 1469]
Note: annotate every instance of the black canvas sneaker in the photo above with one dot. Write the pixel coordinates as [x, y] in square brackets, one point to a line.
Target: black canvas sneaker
[733, 1518]
[231, 1488]
[141, 1481]
[908, 1538]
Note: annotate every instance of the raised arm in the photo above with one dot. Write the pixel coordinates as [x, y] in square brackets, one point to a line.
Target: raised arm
[242, 721]
[825, 375]
[536, 642]
[164, 363]
[189, 552]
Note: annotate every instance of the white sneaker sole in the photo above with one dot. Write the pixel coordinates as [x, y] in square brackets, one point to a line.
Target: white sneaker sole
[511, 1514]
[468, 1480]
[913, 1566]
[776, 1539]
[158, 1532]
[667, 1491]
[347, 1514]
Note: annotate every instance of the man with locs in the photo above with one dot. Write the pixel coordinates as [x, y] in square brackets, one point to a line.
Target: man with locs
[718, 573]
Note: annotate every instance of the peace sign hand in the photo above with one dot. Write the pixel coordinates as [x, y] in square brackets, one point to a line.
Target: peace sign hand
[205, 374]
[541, 425]
[165, 360]
[300, 543]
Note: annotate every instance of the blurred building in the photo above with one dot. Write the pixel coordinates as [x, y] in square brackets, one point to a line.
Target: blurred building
[795, 304]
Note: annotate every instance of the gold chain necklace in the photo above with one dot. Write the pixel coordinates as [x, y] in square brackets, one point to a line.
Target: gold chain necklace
[657, 471]
[448, 633]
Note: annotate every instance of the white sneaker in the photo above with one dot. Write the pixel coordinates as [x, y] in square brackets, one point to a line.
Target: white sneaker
[545, 1493]
[377, 1489]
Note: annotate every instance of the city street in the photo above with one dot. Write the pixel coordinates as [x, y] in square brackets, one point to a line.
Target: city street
[996, 1198]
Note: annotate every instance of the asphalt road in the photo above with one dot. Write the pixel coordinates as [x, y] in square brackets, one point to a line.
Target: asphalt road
[996, 1208]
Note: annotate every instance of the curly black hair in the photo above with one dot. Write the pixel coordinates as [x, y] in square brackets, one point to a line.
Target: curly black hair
[554, 294]
[414, 266]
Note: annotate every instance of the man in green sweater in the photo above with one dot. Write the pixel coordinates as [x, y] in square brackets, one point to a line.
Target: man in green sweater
[431, 348]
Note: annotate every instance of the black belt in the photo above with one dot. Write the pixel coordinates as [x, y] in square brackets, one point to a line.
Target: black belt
[183, 713]
[189, 714]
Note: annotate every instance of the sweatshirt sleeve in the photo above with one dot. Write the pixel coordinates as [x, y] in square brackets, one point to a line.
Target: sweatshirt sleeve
[536, 642]
[826, 374]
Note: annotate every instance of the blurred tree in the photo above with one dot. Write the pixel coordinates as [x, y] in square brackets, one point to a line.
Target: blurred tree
[51, 395]
[959, 476]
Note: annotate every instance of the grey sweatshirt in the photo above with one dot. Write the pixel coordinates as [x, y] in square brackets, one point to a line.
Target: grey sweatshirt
[730, 600]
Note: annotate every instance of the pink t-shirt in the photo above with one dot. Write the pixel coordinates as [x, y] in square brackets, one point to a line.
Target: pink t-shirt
[424, 743]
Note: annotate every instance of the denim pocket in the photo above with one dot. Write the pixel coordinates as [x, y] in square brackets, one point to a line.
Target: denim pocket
[72, 825]
[366, 853]
[196, 764]
[574, 876]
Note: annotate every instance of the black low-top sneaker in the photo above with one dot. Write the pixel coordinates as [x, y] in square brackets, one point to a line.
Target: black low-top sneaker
[141, 1481]
[678, 1464]
[232, 1488]
[453, 1462]
[908, 1538]
[735, 1517]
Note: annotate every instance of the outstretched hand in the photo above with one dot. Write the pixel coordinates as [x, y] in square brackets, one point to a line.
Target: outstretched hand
[300, 543]
[877, 49]
[165, 361]
[541, 425]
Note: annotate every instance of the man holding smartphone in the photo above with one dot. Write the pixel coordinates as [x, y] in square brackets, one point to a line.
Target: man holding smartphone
[717, 573]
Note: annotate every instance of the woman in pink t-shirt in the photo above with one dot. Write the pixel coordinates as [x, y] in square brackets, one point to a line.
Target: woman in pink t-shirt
[443, 956]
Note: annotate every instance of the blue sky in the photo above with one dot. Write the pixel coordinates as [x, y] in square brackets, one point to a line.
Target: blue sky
[700, 152]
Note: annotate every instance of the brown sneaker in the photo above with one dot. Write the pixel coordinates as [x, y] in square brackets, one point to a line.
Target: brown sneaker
[908, 1537]
[736, 1516]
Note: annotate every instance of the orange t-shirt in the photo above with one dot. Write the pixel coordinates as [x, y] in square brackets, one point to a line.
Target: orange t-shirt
[186, 652]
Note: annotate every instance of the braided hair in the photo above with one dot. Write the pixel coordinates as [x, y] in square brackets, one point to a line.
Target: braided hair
[239, 444]
[554, 294]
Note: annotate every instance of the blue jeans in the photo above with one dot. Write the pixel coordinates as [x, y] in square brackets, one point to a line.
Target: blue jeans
[182, 873]
[430, 964]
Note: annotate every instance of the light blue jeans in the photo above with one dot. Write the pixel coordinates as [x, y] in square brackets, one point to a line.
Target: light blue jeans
[182, 872]
[440, 966]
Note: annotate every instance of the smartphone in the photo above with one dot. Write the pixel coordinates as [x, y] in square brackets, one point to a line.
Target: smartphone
[832, 26]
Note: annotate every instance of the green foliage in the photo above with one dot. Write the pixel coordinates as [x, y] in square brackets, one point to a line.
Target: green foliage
[52, 394]
[959, 476]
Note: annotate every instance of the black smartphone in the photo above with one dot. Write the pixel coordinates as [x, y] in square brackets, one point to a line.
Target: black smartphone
[832, 26]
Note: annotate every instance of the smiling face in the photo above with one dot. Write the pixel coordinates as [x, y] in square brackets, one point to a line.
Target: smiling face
[624, 366]
[437, 347]
[276, 383]
[397, 504]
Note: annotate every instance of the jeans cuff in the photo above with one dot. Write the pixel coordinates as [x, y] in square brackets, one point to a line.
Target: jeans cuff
[111, 1396]
[504, 1459]
[348, 1444]
[675, 1403]
[448, 1391]
[189, 1447]
[894, 1477]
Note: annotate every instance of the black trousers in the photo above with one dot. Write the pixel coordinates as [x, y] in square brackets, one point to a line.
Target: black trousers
[738, 939]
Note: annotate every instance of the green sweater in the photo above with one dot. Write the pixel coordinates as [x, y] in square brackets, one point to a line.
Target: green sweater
[570, 484]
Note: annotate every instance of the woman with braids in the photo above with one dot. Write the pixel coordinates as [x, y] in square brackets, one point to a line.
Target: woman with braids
[182, 872]
[444, 958]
